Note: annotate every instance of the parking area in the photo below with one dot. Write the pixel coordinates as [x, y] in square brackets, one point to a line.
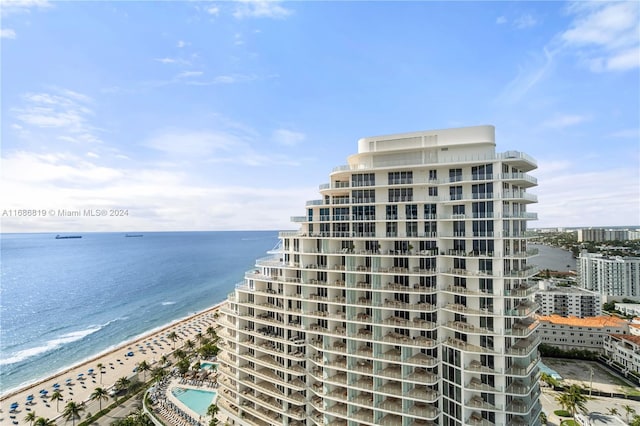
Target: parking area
[580, 372]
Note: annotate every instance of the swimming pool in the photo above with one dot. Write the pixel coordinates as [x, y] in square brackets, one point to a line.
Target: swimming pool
[209, 365]
[196, 399]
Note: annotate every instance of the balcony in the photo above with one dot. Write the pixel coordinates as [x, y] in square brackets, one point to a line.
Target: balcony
[475, 419]
[426, 411]
[524, 347]
[421, 375]
[422, 359]
[478, 402]
[391, 404]
[364, 414]
[476, 384]
[423, 393]
[393, 371]
[468, 347]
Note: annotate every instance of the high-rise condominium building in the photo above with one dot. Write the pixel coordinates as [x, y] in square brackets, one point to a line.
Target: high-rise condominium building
[403, 299]
[610, 276]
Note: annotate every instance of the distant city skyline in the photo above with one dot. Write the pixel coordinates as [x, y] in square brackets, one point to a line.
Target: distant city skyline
[228, 115]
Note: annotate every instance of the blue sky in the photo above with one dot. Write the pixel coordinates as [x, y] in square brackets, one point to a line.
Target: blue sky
[228, 115]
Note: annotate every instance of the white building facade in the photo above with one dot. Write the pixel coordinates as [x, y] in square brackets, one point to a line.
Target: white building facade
[403, 299]
[624, 350]
[610, 276]
[568, 301]
[589, 334]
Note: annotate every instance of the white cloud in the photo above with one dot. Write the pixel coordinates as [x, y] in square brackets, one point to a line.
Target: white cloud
[7, 33]
[501, 20]
[189, 74]
[213, 10]
[193, 144]
[606, 34]
[182, 43]
[524, 21]
[157, 198]
[569, 197]
[63, 115]
[287, 137]
[168, 60]
[12, 7]
[528, 77]
[260, 9]
[626, 133]
[566, 120]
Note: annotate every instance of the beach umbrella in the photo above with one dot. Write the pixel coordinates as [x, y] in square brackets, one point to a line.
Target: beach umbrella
[56, 385]
[90, 371]
[30, 397]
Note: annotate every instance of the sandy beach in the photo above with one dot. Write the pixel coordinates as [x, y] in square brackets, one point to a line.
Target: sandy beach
[78, 382]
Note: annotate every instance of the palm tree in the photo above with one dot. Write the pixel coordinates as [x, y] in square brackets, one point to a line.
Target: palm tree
[189, 345]
[100, 394]
[199, 337]
[212, 410]
[613, 411]
[543, 418]
[71, 411]
[100, 366]
[30, 417]
[212, 332]
[57, 396]
[144, 367]
[629, 410]
[180, 354]
[173, 336]
[163, 360]
[572, 400]
[41, 421]
[158, 373]
[122, 383]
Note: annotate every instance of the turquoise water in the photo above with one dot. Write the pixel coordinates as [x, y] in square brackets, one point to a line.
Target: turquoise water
[197, 400]
[550, 371]
[209, 365]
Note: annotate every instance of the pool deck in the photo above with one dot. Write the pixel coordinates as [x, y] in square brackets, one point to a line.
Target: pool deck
[177, 382]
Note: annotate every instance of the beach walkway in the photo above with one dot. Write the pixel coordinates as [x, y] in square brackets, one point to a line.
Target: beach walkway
[79, 382]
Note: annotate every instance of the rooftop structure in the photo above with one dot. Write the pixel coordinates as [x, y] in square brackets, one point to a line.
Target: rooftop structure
[403, 299]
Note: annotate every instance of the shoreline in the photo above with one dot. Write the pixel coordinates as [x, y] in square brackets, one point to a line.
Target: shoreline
[114, 364]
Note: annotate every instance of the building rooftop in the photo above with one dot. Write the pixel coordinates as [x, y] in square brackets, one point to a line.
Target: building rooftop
[599, 321]
[628, 337]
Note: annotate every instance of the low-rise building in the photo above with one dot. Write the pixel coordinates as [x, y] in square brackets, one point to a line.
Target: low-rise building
[567, 301]
[568, 333]
[624, 351]
[628, 308]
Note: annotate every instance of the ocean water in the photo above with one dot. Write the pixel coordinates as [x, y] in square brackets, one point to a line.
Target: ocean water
[63, 301]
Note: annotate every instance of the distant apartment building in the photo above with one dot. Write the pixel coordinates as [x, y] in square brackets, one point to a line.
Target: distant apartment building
[611, 276]
[624, 350]
[599, 235]
[628, 308]
[568, 333]
[567, 301]
[402, 299]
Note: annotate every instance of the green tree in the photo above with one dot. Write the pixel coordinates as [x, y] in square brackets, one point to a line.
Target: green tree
[189, 345]
[212, 333]
[613, 411]
[549, 380]
[72, 411]
[183, 365]
[122, 383]
[573, 400]
[635, 421]
[628, 410]
[158, 373]
[30, 417]
[101, 369]
[543, 418]
[144, 367]
[57, 397]
[41, 421]
[174, 337]
[99, 394]
[212, 410]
